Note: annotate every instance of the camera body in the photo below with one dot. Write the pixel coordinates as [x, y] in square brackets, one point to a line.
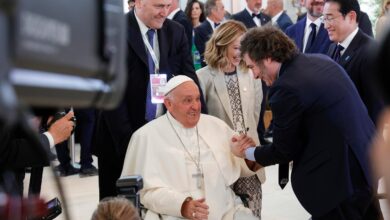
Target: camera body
[53, 209]
[129, 187]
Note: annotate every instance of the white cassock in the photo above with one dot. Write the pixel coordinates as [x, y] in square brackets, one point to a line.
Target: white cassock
[156, 153]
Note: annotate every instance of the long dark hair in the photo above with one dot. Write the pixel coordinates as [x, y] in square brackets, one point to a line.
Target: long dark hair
[189, 9]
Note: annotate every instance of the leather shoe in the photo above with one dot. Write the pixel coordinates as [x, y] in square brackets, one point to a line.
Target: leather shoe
[66, 170]
[90, 171]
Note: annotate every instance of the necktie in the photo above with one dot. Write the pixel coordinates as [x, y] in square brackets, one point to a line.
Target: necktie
[312, 37]
[216, 25]
[337, 52]
[150, 107]
[283, 174]
[256, 15]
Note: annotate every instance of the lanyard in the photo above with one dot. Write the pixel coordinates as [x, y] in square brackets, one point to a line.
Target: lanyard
[152, 54]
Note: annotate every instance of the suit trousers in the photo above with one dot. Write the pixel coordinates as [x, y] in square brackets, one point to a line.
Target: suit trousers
[362, 205]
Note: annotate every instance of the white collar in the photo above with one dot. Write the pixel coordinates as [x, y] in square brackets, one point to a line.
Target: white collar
[212, 23]
[276, 17]
[173, 13]
[317, 22]
[347, 41]
[179, 126]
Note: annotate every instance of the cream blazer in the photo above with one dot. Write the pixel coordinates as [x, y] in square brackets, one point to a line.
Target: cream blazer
[212, 83]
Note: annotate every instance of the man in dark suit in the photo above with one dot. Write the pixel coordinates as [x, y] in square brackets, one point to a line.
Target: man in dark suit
[166, 39]
[321, 125]
[178, 15]
[17, 152]
[364, 23]
[252, 16]
[278, 15]
[309, 33]
[215, 12]
[351, 49]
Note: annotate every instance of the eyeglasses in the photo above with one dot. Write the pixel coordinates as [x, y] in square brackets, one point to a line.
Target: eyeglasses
[330, 20]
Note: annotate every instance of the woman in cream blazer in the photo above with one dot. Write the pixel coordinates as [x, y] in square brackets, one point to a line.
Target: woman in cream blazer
[232, 94]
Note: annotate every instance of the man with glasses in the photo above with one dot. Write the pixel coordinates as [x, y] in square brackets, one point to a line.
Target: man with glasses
[309, 33]
[351, 49]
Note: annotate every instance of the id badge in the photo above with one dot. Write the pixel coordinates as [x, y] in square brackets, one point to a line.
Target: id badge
[157, 82]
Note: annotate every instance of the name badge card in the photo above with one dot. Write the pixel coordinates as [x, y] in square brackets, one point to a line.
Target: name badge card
[157, 84]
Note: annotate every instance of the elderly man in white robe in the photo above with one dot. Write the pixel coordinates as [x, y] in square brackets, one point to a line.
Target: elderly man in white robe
[186, 162]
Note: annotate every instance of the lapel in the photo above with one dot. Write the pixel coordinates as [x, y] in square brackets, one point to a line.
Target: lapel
[222, 93]
[300, 32]
[332, 50]
[248, 18]
[263, 19]
[164, 45]
[351, 49]
[209, 29]
[135, 38]
[320, 36]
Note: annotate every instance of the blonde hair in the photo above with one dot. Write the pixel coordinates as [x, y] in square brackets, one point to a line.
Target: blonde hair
[216, 48]
[384, 10]
[115, 208]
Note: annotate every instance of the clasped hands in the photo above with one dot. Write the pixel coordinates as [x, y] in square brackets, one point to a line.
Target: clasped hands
[240, 143]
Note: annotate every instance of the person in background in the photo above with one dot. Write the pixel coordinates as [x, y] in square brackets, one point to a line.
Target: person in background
[383, 19]
[17, 152]
[275, 10]
[195, 12]
[215, 12]
[309, 33]
[252, 16]
[178, 15]
[131, 4]
[364, 23]
[351, 49]
[233, 95]
[115, 208]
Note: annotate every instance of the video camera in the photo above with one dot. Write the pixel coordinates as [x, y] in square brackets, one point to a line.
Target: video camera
[56, 54]
[129, 187]
[65, 52]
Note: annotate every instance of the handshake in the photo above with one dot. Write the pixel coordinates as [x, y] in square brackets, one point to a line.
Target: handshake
[240, 143]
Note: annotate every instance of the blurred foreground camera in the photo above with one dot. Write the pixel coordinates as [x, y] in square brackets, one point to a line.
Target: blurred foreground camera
[53, 209]
[129, 187]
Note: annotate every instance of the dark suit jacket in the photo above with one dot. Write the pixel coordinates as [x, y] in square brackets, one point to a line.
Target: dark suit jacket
[182, 18]
[284, 21]
[318, 119]
[321, 42]
[17, 151]
[202, 34]
[115, 127]
[247, 19]
[356, 62]
[364, 23]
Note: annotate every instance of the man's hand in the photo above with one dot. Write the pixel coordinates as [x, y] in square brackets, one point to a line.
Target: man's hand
[240, 144]
[62, 128]
[195, 209]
